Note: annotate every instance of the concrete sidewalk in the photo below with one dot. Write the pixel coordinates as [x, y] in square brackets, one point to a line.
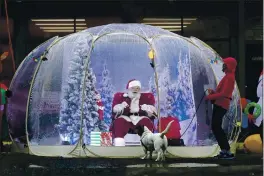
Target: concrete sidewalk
[21, 164]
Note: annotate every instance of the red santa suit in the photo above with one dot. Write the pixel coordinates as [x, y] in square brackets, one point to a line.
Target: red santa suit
[129, 112]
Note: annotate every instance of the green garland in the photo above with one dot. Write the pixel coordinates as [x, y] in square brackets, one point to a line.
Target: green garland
[257, 112]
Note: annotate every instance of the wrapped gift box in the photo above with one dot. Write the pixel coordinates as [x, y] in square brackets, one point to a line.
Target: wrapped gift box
[95, 138]
[106, 139]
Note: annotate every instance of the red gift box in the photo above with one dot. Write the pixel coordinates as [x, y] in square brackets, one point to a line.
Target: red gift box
[106, 139]
[174, 131]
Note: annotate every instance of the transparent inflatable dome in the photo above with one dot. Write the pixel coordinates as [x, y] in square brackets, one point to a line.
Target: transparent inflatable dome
[62, 106]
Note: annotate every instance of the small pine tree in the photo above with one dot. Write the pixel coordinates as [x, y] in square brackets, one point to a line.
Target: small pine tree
[170, 92]
[70, 113]
[72, 97]
[167, 92]
[152, 87]
[90, 107]
[106, 91]
[153, 90]
[183, 104]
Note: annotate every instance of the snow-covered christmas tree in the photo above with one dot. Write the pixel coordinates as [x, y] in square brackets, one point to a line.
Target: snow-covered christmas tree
[71, 98]
[183, 106]
[176, 97]
[153, 90]
[106, 91]
[152, 87]
[167, 91]
[90, 110]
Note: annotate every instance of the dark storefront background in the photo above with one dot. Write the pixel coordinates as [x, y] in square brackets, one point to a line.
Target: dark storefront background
[215, 22]
[254, 66]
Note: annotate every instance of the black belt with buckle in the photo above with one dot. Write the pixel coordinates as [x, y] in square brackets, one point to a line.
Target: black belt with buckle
[134, 114]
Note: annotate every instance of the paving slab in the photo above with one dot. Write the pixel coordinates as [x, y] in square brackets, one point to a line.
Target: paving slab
[23, 164]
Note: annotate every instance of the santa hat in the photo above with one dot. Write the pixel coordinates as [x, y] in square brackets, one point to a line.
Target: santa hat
[133, 83]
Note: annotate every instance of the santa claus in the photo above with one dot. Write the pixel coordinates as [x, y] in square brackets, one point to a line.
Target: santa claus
[130, 110]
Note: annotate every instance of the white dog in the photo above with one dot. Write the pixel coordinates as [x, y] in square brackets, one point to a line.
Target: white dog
[153, 142]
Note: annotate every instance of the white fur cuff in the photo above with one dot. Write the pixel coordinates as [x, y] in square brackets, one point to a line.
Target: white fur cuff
[118, 108]
[148, 108]
[119, 142]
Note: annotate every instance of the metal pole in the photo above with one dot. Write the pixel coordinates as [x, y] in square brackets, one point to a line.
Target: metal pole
[181, 25]
[74, 24]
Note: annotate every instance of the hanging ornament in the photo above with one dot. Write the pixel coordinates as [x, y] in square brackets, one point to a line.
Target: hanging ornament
[218, 59]
[151, 54]
[4, 56]
[36, 59]
[212, 61]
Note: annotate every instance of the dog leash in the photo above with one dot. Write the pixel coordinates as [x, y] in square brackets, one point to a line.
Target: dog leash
[207, 115]
[207, 121]
[195, 113]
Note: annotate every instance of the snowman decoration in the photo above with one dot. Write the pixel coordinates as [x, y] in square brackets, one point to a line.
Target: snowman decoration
[260, 102]
[251, 143]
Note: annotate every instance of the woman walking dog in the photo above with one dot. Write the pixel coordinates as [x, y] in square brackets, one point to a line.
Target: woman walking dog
[221, 98]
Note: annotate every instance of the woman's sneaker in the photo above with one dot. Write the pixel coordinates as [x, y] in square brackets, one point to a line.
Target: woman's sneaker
[225, 155]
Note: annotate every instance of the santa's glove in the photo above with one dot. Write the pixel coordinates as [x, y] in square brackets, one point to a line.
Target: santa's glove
[124, 104]
[151, 110]
[251, 118]
[117, 108]
[120, 107]
[9, 93]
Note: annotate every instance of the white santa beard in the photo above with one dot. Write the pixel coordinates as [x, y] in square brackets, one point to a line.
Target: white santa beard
[132, 95]
[134, 105]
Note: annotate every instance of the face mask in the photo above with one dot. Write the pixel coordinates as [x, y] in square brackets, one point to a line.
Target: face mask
[224, 67]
